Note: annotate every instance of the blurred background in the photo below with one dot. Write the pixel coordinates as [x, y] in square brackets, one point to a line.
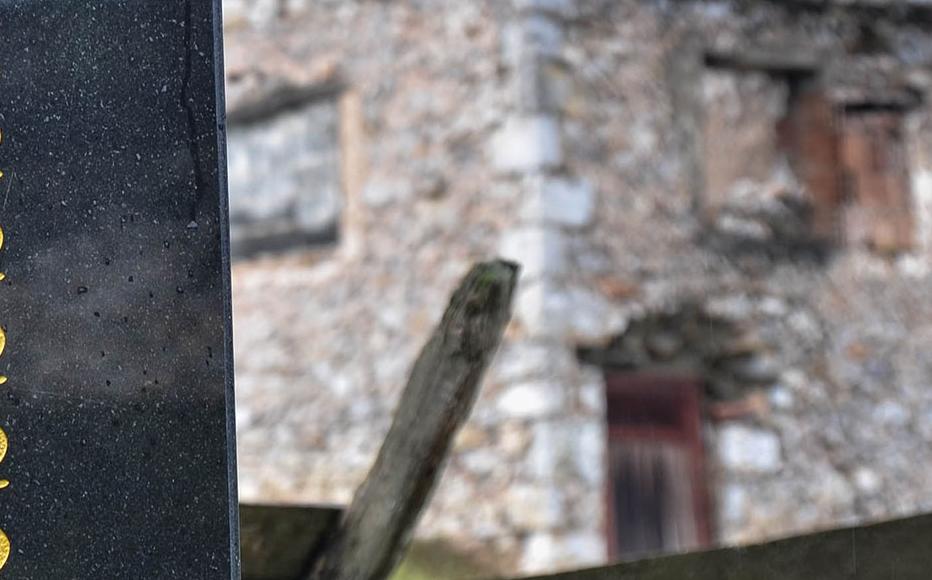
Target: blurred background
[723, 210]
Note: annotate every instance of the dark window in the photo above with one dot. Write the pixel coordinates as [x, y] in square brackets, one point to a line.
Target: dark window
[848, 162]
[809, 137]
[874, 165]
[285, 180]
[656, 487]
[852, 162]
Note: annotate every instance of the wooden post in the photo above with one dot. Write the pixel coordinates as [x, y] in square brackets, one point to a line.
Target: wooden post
[435, 403]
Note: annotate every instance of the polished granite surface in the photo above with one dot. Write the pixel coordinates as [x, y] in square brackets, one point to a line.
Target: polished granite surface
[117, 408]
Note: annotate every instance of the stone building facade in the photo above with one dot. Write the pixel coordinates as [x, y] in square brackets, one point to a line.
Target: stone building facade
[723, 210]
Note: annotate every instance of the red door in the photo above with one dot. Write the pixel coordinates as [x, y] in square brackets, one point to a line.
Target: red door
[657, 499]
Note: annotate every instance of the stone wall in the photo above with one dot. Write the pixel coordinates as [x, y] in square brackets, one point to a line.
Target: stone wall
[575, 138]
[834, 377]
[325, 335]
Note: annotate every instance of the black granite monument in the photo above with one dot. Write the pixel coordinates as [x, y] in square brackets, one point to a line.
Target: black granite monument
[116, 451]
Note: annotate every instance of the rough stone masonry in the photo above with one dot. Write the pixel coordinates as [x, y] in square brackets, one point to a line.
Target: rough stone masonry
[657, 168]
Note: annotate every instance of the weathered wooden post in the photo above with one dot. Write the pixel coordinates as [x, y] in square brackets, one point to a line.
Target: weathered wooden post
[435, 403]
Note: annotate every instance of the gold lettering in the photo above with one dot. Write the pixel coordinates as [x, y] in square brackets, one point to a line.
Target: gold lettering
[2, 348]
[4, 549]
[4, 445]
[5, 545]
[4, 540]
[2, 275]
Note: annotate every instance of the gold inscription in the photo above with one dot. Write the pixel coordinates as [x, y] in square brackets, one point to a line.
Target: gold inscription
[4, 549]
[4, 540]
[2, 341]
[4, 445]
[2, 275]
[5, 546]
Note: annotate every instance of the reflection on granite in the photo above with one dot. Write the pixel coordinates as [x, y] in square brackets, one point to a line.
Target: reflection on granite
[115, 302]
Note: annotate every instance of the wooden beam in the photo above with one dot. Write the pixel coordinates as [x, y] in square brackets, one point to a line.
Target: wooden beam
[434, 405]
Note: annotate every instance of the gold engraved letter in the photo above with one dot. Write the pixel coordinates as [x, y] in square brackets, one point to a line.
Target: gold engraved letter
[4, 549]
[2, 348]
[4, 540]
[2, 275]
[4, 445]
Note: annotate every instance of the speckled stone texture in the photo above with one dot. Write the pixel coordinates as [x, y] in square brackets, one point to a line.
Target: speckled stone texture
[115, 302]
[580, 138]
